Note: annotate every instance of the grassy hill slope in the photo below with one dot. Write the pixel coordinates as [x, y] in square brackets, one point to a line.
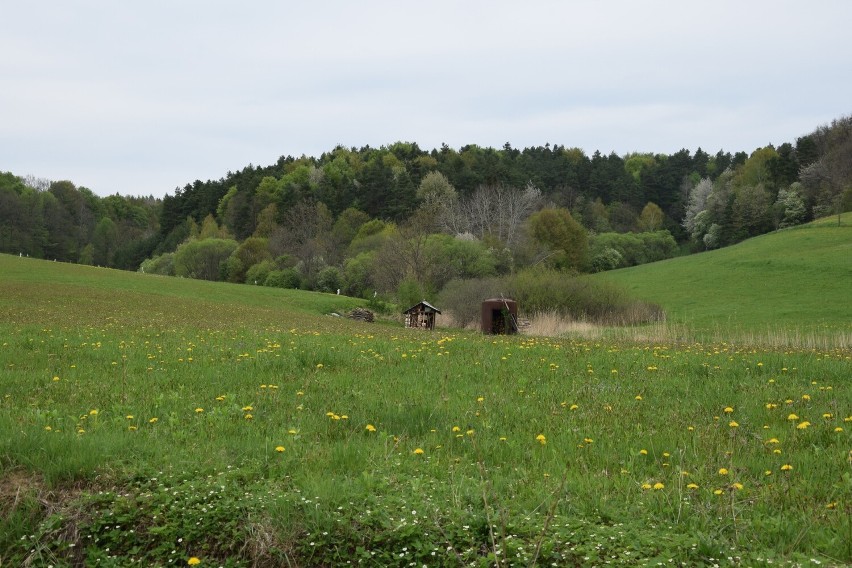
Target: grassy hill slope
[30, 285]
[795, 279]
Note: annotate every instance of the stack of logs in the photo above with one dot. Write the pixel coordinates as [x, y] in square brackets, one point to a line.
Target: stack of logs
[361, 314]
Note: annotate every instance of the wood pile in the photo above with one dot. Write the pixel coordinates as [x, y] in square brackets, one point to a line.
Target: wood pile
[361, 314]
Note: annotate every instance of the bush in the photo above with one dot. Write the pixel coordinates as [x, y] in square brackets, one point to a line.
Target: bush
[204, 259]
[542, 290]
[287, 278]
[163, 264]
[634, 248]
[463, 298]
[328, 279]
[258, 273]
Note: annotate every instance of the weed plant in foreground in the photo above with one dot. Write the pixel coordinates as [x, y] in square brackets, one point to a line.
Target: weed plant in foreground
[148, 433]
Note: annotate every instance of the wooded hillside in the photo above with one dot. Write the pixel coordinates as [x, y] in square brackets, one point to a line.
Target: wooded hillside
[365, 219]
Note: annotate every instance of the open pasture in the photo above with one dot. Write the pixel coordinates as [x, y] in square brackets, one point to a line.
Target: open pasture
[157, 421]
[790, 287]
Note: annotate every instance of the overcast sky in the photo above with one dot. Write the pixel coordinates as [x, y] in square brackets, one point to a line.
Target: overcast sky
[139, 98]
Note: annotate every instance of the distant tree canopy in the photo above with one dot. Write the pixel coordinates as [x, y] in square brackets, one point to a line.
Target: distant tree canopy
[374, 219]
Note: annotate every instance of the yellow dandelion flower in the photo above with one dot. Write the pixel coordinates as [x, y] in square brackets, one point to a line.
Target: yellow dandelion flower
[728, 410]
[588, 440]
[692, 486]
[772, 441]
[646, 486]
[776, 451]
[786, 467]
[418, 451]
[199, 410]
[502, 438]
[792, 417]
[573, 407]
[838, 429]
[456, 429]
[480, 399]
[319, 365]
[193, 561]
[802, 425]
[638, 397]
[738, 486]
[279, 449]
[93, 412]
[659, 486]
[717, 492]
[723, 471]
[733, 424]
[541, 439]
[153, 420]
[827, 415]
[129, 417]
[767, 472]
[248, 416]
[832, 505]
[643, 452]
[220, 398]
[132, 428]
[806, 397]
[248, 408]
[55, 379]
[370, 428]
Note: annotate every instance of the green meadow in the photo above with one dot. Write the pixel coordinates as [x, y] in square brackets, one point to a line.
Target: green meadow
[794, 284]
[156, 421]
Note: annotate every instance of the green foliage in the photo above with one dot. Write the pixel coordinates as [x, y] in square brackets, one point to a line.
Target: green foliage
[463, 298]
[632, 248]
[579, 298]
[651, 218]
[163, 264]
[328, 280]
[409, 293]
[357, 273]
[258, 273]
[565, 237]
[204, 260]
[287, 278]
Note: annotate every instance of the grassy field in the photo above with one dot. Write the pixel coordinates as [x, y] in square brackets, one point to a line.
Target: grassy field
[157, 421]
[793, 283]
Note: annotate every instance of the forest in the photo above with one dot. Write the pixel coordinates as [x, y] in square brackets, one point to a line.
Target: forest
[402, 221]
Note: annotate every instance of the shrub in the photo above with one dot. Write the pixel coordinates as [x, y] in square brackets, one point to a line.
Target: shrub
[287, 278]
[163, 264]
[259, 272]
[328, 279]
[542, 290]
[462, 298]
[203, 259]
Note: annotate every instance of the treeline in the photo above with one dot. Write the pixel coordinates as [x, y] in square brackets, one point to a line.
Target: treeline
[399, 218]
[59, 221]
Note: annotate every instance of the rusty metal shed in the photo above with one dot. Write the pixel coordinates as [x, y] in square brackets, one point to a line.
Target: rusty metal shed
[421, 316]
[499, 316]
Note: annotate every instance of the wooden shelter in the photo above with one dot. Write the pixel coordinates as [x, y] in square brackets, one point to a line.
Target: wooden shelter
[421, 316]
[499, 316]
